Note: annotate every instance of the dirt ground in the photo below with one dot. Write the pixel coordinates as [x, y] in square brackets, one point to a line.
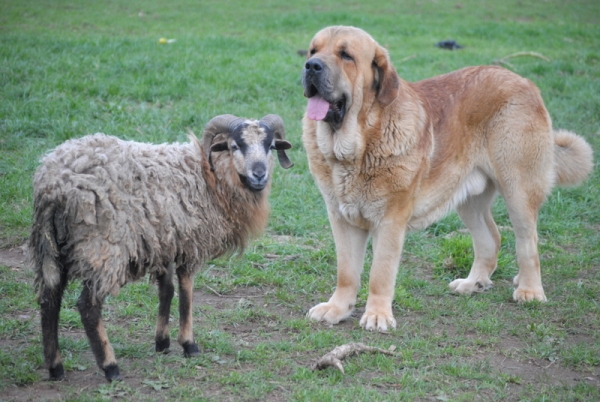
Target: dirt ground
[14, 257]
[505, 360]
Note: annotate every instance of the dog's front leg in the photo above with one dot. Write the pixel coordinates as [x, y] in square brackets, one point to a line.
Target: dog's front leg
[350, 245]
[388, 240]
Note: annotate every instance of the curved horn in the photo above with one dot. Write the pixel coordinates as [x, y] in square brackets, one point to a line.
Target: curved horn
[224, 123]
[275, 124]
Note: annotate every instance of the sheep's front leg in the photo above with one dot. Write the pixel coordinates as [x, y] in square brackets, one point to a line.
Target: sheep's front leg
[186, 333]
[166, 290]
[91, 317]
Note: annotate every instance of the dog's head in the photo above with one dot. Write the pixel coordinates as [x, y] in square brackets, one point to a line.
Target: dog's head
[346, 71]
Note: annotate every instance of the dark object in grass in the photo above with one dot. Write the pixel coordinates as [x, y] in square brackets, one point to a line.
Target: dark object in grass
[335, 357]
[449, 45]
[108, 212]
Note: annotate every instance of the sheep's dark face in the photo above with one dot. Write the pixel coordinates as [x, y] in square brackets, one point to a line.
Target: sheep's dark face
[251, 146]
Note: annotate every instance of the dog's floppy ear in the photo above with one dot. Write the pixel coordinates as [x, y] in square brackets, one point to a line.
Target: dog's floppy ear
[387, 82]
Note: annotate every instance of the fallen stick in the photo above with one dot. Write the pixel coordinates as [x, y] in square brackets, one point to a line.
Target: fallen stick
[335, 357]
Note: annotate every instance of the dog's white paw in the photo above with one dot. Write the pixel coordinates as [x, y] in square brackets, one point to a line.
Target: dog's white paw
[525, 292]
[377, 321]
[329, 312]
[525, 295]
[468, 286]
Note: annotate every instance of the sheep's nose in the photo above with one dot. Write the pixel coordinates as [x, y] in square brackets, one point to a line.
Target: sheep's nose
[314, 65]
[259, 172]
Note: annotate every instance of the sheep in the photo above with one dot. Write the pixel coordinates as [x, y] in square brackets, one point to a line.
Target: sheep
[108, 211]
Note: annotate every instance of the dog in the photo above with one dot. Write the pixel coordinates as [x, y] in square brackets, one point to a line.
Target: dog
[389, 156]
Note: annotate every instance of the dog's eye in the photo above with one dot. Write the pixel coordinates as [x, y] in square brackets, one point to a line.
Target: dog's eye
[344, 55]
[313, 51]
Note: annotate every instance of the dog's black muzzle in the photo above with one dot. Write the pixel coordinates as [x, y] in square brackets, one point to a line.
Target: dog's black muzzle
[314, 71]
[317, 81]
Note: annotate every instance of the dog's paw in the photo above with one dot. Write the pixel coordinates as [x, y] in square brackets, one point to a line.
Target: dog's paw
[329, 312]
[524, 295]
[376, 321]
[469, 286]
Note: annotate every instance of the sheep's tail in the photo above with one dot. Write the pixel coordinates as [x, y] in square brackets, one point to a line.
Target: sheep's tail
[573, 158]
[43, 249]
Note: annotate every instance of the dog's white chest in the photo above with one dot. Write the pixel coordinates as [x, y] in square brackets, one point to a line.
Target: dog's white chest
[352, 199]
[341, 146]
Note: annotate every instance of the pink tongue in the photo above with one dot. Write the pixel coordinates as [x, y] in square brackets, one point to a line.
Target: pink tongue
[317, 108]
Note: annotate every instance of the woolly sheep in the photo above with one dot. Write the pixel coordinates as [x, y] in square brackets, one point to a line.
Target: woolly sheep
[108, 211]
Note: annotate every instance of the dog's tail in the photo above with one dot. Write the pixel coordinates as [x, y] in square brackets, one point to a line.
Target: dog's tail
[573, 158]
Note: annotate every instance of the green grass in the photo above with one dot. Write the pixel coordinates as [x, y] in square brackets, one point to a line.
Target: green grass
[72, 68]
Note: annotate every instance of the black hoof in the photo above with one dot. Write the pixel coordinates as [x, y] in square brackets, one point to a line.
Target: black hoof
[190, 350]
[111, 372]
[162, 345]
[57, 373]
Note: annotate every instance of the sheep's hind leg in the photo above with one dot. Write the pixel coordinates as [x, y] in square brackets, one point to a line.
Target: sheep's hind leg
[186, 333]
[91, 317]
[50, 303]
[166, 290]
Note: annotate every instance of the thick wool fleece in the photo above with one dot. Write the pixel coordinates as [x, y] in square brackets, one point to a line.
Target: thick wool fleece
[109, 211]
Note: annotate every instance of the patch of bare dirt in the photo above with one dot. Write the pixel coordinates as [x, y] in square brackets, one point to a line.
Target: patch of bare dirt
[507, 360]
[14, 257]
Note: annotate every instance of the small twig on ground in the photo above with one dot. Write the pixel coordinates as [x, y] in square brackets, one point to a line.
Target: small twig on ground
[519, 54]
[212, 290]
[335, 357]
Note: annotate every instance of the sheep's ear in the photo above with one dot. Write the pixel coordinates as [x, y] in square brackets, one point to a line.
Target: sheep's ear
[282, 145]
[219, 147]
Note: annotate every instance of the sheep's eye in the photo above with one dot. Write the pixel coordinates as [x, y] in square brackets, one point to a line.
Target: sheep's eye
[234, 146]
[344, 55]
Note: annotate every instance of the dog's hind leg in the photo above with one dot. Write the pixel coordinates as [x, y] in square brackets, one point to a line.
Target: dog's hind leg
[524, 167]
[476, 213]
[523, 211]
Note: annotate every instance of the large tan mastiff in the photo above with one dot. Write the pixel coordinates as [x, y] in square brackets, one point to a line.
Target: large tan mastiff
[390, 155]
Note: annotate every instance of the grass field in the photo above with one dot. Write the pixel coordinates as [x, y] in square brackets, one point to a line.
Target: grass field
[72, 68]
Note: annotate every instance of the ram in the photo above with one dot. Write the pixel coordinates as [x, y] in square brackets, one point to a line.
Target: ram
[108, 212]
